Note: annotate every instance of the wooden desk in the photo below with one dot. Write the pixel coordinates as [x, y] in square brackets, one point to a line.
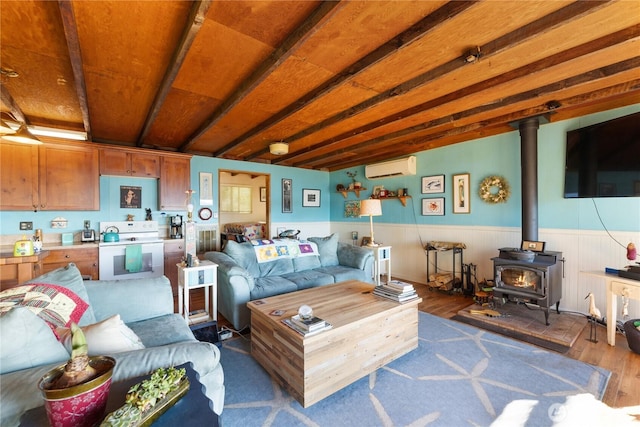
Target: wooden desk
[616, 286]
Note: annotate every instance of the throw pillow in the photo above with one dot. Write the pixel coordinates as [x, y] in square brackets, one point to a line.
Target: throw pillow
[27, 341]
[244, 255]
[70, 278]
[107, 337]
[56, 305]
[328, 248]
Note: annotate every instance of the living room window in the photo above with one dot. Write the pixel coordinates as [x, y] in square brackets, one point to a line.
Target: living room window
[234, 198]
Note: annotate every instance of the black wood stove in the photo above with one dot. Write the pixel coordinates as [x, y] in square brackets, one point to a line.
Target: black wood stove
[528, 277]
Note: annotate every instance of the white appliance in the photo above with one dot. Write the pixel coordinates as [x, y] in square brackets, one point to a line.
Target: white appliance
[113, 255]
[398, 167]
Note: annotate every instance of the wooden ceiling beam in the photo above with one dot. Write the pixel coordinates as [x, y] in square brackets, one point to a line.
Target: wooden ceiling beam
[392, 46]
[539, 92]
[11, 104]
[292, 43]
[518, 73]
[197, 16]
[75, 57]
[566, 14]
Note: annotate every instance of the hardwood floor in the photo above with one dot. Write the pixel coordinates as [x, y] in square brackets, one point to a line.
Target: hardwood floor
[624, 364]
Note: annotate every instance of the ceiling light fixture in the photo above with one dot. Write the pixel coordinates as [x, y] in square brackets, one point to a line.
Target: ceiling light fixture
[5, 128]
[473, 55]
[22, 136]
[279, 148]
[44, 131]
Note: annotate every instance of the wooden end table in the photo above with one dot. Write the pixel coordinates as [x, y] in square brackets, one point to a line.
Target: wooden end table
[368, 332]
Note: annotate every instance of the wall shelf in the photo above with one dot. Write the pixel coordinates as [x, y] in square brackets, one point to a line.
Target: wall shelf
[355, 190]
[403, 199]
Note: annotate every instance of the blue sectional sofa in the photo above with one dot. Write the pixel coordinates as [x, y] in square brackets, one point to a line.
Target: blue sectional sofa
[29, 347]
[243, 277]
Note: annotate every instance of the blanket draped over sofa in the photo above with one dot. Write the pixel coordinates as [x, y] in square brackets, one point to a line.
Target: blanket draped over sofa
[133, 318]
[243, 276]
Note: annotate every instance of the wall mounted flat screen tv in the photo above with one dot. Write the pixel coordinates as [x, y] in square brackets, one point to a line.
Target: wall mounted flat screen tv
[603, 160]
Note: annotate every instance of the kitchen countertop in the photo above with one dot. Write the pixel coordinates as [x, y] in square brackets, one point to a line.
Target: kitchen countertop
[7, 257]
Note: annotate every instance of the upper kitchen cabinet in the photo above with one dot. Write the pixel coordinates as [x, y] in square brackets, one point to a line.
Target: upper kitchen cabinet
[175, 180]
[126, 163]
[49, 177]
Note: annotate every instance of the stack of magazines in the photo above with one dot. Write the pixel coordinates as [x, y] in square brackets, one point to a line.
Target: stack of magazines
[397, 291]
[307, 327]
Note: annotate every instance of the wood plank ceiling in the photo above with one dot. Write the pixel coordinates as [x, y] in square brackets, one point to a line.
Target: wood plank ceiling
[343, 83]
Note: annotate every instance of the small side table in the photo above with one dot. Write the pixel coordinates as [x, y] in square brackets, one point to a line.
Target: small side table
[381, 254]
[204, 275]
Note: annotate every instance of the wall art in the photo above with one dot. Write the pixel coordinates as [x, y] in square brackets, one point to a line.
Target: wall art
[310, 198]
[206, 189]
[287, 188]
[433, 184]
[130, 197]
[433, 206]
[461, 196]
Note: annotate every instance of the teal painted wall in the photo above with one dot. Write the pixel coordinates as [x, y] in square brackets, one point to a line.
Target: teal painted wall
[500, 155]
[497, 155]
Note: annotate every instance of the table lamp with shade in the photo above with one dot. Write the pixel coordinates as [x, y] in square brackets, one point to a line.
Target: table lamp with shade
[371, 207]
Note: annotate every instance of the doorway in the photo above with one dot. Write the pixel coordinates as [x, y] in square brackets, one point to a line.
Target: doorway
[244, 205]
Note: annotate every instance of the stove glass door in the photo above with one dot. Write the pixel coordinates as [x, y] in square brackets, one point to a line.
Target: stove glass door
[523, 279]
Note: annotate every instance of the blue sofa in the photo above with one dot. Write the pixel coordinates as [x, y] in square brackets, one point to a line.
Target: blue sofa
[241, 278]
[29, 347]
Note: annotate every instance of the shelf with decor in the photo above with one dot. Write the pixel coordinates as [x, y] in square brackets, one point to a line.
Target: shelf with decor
[346, 191]
[403, 199]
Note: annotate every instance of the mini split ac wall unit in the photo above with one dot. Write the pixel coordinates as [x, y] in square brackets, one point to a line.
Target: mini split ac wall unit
[398, 167]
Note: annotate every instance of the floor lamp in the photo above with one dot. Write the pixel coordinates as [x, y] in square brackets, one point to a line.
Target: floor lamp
[371, 207]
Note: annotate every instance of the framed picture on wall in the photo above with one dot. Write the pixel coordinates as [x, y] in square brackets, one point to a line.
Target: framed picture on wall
[130, 197]
[287, 187]
[206, 189]
[461, 194]
[433, 206]
[263, 194]
[310, 198]
[433, 184]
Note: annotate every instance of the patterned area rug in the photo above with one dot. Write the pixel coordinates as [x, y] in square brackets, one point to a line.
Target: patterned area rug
[458, 376]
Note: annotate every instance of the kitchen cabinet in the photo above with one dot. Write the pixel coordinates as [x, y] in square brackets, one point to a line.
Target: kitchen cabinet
[85, 258]
[49, 177]
[175, 179]
[126, 163]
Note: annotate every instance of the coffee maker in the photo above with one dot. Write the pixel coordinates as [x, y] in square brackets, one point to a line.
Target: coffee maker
[175, 222]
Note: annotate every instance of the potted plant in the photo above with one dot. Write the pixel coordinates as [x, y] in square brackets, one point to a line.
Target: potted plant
[76, 393]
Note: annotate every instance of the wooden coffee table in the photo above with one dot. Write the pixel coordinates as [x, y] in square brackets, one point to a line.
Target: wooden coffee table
[368, 332]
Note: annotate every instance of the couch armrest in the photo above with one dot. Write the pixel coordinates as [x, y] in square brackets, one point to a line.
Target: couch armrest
[134, 299]
[234, 288]
[354, 256]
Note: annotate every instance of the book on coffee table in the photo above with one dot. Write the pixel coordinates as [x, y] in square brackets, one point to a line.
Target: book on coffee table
[309, 325]
[304, 333]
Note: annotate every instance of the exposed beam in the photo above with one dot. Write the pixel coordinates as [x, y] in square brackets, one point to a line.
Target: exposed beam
[566, 14]
[75, 57]
[196, 18]
[309, 27]
[391, 47]
[14, 109]
[372, 144]
[525, 71]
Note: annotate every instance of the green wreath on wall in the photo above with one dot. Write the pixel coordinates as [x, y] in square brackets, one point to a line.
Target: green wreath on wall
[494, 189]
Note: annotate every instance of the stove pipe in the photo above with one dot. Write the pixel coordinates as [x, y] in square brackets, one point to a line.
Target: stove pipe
[529, 166]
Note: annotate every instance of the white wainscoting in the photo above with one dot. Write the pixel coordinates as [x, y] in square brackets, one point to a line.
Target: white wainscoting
[582, 251]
